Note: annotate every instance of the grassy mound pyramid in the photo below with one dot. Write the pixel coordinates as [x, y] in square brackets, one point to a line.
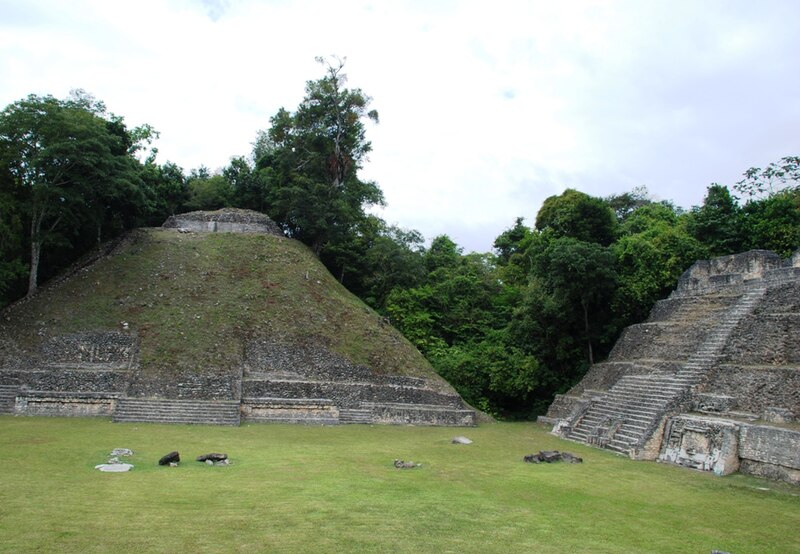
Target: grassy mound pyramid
[212, 319]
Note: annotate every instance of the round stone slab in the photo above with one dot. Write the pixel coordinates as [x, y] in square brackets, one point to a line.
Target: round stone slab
[114, 468]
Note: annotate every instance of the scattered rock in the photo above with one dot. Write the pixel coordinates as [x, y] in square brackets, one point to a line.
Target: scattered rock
[213, 456]
[550, 456]
[114, 460]
[224, 462]
[169, 459]
[461, 440]
[114, 468]
[400, 464]
[208, 462]
[571, 458]
[121, 452]
[173, 464]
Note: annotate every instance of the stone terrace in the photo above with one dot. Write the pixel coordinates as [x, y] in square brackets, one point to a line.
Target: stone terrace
[725, 343]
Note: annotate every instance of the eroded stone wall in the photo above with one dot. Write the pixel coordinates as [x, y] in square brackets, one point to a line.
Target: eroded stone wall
[228, 220]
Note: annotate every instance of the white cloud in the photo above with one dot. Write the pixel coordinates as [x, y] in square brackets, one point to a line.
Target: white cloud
[485, 110]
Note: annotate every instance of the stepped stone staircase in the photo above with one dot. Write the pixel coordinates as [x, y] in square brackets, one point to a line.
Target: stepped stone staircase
[8, 395]
[355, 415]
[627, 415]
[157, 410]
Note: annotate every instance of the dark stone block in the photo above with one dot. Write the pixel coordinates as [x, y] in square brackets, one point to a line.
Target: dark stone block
[172, 457]
[551, 456]
[213, 456]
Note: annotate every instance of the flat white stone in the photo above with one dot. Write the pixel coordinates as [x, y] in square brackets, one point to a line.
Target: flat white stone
[114, 468]
[461, 440]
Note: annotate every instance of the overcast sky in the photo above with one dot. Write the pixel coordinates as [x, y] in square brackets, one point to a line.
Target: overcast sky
[486, 108]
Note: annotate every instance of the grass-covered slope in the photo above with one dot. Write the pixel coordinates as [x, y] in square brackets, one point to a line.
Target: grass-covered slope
[196, 300]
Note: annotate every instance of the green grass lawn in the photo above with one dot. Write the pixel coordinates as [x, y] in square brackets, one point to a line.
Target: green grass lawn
[334, 489]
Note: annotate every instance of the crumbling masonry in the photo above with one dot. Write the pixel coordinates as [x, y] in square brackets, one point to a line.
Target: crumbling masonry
[710, 381]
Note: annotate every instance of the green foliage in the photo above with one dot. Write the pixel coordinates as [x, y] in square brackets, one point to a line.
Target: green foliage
[167, 191]
[195, 300]
[718, 222]
[652, 253]
[773, 223]
[311, 160]
[377, 259]
[211, 193]
[579, 216]
[580, 276]
[69, 170]
[776, 177]
[248, 185]
[627, 203]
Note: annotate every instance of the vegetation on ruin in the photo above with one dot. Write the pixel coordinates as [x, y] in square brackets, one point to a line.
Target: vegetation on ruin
[334, 489]
[195, 300]
[509, 329]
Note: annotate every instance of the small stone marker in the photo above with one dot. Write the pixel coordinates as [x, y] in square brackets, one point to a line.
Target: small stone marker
[400, 464]
[169, 459]
[551, 456]
[213, 457]
[114, 468]
[461, 440]
[121, 452]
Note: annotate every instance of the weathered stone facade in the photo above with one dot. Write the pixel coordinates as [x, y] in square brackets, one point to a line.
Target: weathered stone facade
[96, 374]
[703, 382]
[226, 220]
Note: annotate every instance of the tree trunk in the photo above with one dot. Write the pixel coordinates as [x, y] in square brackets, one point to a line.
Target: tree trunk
[586, 329]
[36, 250]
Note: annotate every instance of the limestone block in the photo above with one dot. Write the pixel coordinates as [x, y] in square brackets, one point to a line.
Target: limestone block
[701, 443]
[771, 445]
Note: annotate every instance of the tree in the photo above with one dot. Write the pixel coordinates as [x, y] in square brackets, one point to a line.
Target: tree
[626, 203]
[211, 193]
[774, 178]
[65, 162]
[773, 223]
[718, 222]
[247, 185]
[312, 158]
[511, 247]
[579, 216]
[167, 190]
[580, 274]
[654, 249]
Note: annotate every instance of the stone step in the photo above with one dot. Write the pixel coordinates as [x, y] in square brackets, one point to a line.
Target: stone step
[8, 397]
[354, 415]
[160, 410]
[635, 401]
[597, 417]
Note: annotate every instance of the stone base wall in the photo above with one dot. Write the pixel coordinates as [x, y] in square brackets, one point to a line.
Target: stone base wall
[228, 220]
[725, 446]
[310, 411]
[565, 406]
[660, 340]
[48, 404]
[704, 444]
[349, 395]
[65, 380]
[408, 414]
[100, 348]
[187, 385]
[720, 273]
[756, 389]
